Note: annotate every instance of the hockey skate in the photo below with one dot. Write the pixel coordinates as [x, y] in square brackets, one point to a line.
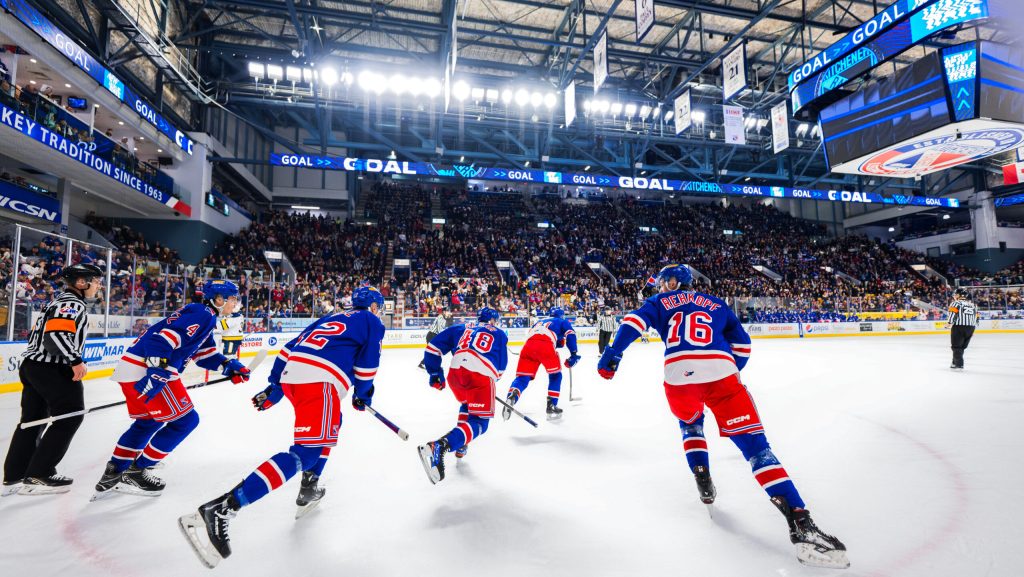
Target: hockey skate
[310, 494]
[705, 486]
[136, 481]
[553, 411]
[511, 399]
[45, 485]
[11, 488]
[432, 456]
[813, 546]
[207, 529]
[111, 477]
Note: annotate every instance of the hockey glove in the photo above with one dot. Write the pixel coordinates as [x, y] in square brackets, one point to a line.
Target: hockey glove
[236, 370]
[437, 381]
[268, 397]
[360, 402]
[609, 363]
[561, 343]
[572, 360]
[155, 380]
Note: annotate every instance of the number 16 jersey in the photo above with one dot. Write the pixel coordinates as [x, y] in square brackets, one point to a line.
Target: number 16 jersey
[704, 341]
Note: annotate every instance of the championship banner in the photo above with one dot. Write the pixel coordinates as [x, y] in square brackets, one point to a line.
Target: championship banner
[570, 103]
[644, 18]
[682, 112]
[780, 127]
[734, 125]
[600, 61]
[734, 72]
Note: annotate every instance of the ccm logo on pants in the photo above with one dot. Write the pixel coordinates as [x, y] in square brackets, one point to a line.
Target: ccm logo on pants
[737, 420]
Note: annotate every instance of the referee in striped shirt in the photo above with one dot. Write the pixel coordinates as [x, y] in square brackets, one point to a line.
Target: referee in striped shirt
[963, 317]
[51, 372]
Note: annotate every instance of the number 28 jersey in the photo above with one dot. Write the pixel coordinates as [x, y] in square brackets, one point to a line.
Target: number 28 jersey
[480, 349]
[704, 341]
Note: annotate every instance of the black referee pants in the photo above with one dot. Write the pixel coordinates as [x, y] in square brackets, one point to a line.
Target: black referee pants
[960, 337]
[603, 338]
[48, 391]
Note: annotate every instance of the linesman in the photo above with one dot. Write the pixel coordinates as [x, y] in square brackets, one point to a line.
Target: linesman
[51, 372]
[963, 317]
[606, 327]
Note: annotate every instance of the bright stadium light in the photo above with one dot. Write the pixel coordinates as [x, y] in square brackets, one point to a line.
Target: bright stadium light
[587, 105]
[460, 90]
[415, 86]
[630, 109]
[536, 99]
[256, 70]
[506, 96]
[477, 93]
[432, 88]
[601, 106]
[644, 111]
[802, 129]
[656, 113]
[307, 76]
[698, 116]
[398, 83]
[293, 74]
[522, 97]
[492, 95]
[275, 72]
[329, 76]
[550, 100]
[616, 108]
[365, 80]
[669, 114]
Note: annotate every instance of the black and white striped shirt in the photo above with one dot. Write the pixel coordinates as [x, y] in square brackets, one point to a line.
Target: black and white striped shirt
[607, 323]
[963, 313]
[59, 334]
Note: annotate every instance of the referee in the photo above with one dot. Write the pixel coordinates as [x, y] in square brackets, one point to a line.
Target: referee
[51, 372]
[442, 322]
[606, 325]
[963, 316]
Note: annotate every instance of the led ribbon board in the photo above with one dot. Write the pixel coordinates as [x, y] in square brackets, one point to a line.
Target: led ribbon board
[39, 24]
[933, 17]
[460, 171]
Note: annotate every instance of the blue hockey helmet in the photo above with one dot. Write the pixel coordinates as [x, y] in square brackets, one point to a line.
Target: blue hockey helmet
[680, 272]
[365, 296]
[487, 314]
[556, 312]
[224, 288]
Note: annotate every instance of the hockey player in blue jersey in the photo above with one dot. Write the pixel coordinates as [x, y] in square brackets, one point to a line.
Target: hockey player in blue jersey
[149, 374]
[479, 357]
[546, 335]
[315, 371]
[705, 349]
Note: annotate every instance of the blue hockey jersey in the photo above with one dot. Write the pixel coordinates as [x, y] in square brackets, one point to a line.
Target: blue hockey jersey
[477, 348]
[185, 335]
[704, 340]
[342, 348]
[558, 331]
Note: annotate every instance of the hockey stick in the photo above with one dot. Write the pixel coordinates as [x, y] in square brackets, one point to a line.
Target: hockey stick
[572, 398]
[513, 409]
[260, 356]
[398, 430]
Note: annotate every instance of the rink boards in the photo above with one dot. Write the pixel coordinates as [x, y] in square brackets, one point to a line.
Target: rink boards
[102, 354]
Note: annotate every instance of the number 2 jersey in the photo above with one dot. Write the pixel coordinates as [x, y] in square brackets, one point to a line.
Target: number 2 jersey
[704, 341]
[476, 348]
[185, 335]
[342, 348]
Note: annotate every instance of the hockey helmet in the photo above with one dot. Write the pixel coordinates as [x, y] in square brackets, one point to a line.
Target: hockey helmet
[365, 296]
[961, 294]
[556, 312]
[487, 314]
[680, 272]
[221, 287]
[70, 274]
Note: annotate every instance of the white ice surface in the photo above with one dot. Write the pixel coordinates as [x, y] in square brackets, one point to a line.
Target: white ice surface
[916, 468]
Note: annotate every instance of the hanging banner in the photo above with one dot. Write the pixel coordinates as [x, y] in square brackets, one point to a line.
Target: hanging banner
[570, 104]
[682, 112]
[734, 72]
[644, 18]
[600, 61]
[734, 125]
[780, 127]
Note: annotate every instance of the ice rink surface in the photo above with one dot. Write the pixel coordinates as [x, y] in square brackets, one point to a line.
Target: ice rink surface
[916, 468]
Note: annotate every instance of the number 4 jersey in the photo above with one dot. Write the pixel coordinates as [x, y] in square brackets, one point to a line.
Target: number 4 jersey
[704, 340]
[480, 349]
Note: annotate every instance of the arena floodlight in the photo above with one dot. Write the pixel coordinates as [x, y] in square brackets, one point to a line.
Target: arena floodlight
[656, 112]
[293, 74]
[380, 84]
[536, 99]
[432, 88]
[256, 70]
[802, 129]
[630, 109]
[415, 86]
[329, 76]
[602, 106]
[550, 100]
[616, 108]
[365, 80]
[522, 97]
[698, 116]
[460, 90]
[275, 72]
[506, 96]
[587, 105]
[644, 111]
[307, 75]
[346, 78]
[492, 95]
[669, 114]
[477, 93]
[398, 83]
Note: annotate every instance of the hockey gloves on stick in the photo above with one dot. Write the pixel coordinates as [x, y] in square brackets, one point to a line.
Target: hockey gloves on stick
[572, 360]
[268, 397]
[155, 380]
[236, 370]
[609, 363]
[437, 381]
[360, 402]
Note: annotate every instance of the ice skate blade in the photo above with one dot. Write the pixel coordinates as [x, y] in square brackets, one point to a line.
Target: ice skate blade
[554, 417]
[9, 490]
[809, 555]
[40, 490]
[308, 508]
[130, 490]
[194, 529]
[432, 472]
[711, 509]
[102, 495]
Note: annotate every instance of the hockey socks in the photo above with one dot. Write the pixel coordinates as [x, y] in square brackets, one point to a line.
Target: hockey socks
[321, 462]
[275, 472]
[767, 469]
[554, 387]
[466, 431]
[695, 446]
[132, 442]
[166, 439]
[519, 384]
